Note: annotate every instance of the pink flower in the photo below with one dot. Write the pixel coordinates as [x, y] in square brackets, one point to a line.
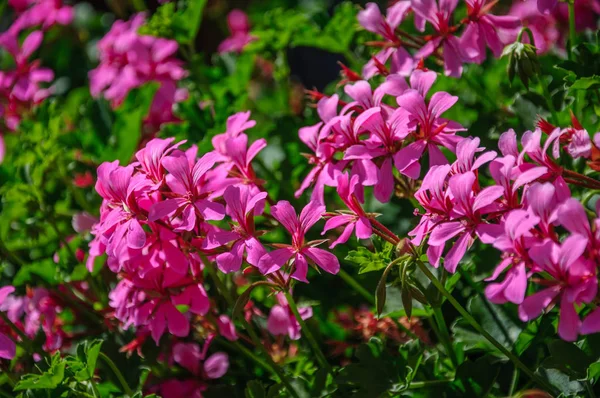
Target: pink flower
[573, 282]
[226, 328]
[371, 19]
[216, 365]
[300, 250]
[128, 60]
[465, 220]
[545, 6]
[39, 13]
[428, 128]
[7, 346]
[439, 14]
[580, 144]
[21, 88]
[514, 244]
[282, 321]
[187, 201]
[357, 219]
[239, 26]
[242, 204]
[484, 28]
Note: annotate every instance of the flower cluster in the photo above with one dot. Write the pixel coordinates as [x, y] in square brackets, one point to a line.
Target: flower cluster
[239, 27]
[129, 60]
[200, 366]
[37, 311]
[23, 86]
[548, 21]
[161, 225]
[452, 42]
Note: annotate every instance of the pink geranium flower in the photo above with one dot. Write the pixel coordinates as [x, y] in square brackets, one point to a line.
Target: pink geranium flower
[282, 321]
[7, 346]
[356, 220]
[466, 222]
[242, 205]
[239, 27]
[300, 250]
[484, 29]
[439, 14]
[371, 19]
[187, 201]
[428, 128]
[573, 282]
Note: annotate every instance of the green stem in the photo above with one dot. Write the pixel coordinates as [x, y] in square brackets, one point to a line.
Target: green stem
[248, 326]
[117, 373]
[274, 367]
[572, 33]
[469, 318]
[356, 286]
[235, 345]
[548, 98]
[139, 5]
[308, 334]
[445, 335]
[429, 383]
[514, 382]
[590, 389]
[218, 282]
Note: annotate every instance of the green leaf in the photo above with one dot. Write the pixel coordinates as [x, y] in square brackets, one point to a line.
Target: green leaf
[127, 129]
[255, 389]
[478, 376]
[369, 261]
[585, 83]
[375, 373]
[568, 358]
[50, 379]
[186, 22]
[494, 320]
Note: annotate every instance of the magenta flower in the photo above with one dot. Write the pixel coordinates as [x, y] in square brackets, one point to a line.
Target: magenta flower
[282, 321]
[356, 220]
[188, 201]
[7, 346]
[439, 14]
[511, 177]
[487, 29]
[545, 6]
[242, 205]
[300, 250]
[189, 356]
[226, 328]
[128, 60]
[239, 26]
[580, 145]
[574, 282]
[429, 130]
[21, 88]
[371, 19]
[514, 244]
[39, 13]
[467, 209]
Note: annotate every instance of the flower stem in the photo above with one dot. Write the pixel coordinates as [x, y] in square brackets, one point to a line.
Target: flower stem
[126, 389]
[549, 102]
[445, 335]
[356, 286]
[514, 382]
[469, 318]
[274, 367]
[308, 334]
[572, 33]
[428, 383]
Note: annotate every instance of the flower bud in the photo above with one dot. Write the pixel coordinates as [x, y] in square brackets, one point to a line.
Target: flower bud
[522, 61]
